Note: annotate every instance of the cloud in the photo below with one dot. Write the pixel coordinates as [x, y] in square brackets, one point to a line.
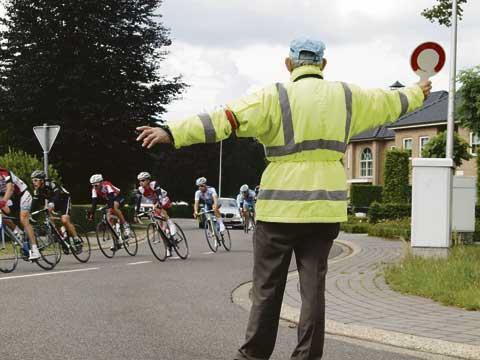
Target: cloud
[228, 48]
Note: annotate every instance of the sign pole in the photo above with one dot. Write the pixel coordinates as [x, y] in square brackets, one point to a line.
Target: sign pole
[45, 153]
[453, 78]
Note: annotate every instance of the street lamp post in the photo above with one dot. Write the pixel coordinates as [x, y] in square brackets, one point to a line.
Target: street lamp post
[453, 78]
[220, 171]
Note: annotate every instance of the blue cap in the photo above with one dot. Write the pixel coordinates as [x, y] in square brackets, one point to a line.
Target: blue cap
[307, 49]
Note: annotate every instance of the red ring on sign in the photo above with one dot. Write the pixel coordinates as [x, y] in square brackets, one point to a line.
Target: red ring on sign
[428, 45]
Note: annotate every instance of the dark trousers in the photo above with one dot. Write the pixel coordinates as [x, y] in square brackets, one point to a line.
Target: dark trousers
[274, 244]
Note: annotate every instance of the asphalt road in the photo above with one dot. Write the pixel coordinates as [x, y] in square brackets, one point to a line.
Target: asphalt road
[139, 308]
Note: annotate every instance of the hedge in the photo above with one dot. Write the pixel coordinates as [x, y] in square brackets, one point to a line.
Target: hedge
[396, 177]
[362, 196]
[391, 229]
[379, 212]
[359, 228]
[78, 214]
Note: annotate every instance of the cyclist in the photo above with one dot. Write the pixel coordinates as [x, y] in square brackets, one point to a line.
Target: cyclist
[246, 203]
[15, 197]
[208, 195]
[58, 200]
[107, 191]
[150, 190]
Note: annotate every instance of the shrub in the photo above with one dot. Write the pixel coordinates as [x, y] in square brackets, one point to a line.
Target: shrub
[396, 178]
[23, 164]
[379, 212]
[364, 195]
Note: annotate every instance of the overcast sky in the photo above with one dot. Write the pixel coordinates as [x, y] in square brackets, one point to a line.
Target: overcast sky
[227, 48]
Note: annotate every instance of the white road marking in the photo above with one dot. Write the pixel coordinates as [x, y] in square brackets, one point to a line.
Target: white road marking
[208, 253]
[47, 273]
[139, 263]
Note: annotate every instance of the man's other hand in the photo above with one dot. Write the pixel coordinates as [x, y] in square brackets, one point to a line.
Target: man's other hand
[151, 136]
[426, 86]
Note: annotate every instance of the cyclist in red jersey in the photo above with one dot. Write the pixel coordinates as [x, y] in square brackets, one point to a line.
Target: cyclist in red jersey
[150, 190]
[14, 196]
[106, 190]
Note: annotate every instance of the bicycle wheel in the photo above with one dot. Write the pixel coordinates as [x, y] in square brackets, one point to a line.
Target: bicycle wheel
[226, 240]
[245, 225]
[8, 253]
[81, 250]
[131, 243]
[156, 242]
[106, 240]
[49, 248]
[180, 243]
[211, 236]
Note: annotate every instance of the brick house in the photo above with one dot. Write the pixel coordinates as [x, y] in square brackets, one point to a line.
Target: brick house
[365, 155]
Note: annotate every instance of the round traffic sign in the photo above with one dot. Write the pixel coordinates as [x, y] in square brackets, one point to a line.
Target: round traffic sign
[427, 60]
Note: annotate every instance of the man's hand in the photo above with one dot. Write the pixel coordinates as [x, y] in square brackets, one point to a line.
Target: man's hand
[151, 136]
[426, 86]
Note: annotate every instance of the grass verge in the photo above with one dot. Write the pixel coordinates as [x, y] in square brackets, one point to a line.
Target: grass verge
[453, 281]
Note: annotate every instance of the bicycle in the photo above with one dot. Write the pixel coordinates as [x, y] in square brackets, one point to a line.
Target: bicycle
[111, 237]
[249, 222]
[214, 237]
[80, 250]
[160, 239]
[13, 248]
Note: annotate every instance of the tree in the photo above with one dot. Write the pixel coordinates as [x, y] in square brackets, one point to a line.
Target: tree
[442, 12]
[396, 188]
[243, 162]
[436, 148]
[468, 110]
[91, 66]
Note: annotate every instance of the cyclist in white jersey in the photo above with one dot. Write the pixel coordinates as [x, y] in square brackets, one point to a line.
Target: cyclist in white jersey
[207, 195]
[14, 196]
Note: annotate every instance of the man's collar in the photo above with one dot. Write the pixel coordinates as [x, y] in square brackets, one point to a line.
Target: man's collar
[305, 70]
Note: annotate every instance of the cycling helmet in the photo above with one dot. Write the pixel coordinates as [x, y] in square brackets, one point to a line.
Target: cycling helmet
[95, 179]
[38, 174]
[244, 188]
[143, 176]
[201, 181]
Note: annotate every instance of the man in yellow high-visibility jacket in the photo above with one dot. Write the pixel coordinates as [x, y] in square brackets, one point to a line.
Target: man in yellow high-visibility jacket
[305, 126]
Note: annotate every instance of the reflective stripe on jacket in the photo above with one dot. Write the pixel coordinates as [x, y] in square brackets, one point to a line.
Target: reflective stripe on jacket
[305, 126]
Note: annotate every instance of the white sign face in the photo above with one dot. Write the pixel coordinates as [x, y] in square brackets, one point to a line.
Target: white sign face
[427, 60]
[46, 135]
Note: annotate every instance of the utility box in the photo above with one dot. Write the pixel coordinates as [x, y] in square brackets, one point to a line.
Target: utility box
[431, 200]
[463, 203]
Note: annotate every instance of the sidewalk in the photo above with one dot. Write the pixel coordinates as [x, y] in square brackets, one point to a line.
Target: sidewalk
[360, 304]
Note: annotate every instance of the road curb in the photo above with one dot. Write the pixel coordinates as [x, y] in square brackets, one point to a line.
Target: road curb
[241, 297]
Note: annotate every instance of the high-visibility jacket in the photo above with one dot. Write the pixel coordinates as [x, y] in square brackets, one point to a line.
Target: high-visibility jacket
[305, 126]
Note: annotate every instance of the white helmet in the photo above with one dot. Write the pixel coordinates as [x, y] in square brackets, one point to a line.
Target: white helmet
[244, 188]
[143, 176]
[201, 181]
[97, 178]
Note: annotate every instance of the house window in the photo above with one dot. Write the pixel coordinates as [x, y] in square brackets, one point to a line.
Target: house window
[474, 143]
[423, 141]
[366, 163]
[408, 145]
